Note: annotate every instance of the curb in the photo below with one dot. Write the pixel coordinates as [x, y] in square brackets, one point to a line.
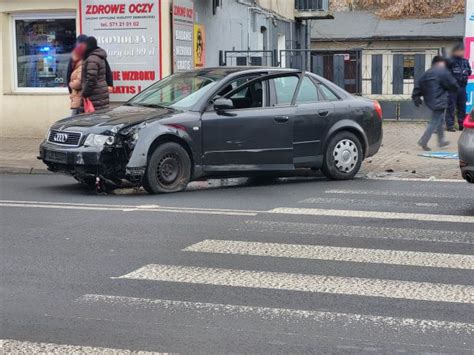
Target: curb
[23, 170]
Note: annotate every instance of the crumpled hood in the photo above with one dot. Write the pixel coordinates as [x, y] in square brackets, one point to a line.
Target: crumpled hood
[104, 120]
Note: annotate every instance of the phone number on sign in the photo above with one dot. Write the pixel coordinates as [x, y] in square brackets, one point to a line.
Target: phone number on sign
[120, 24]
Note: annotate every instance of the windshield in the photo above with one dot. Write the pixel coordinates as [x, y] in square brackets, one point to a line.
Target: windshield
[180, 91]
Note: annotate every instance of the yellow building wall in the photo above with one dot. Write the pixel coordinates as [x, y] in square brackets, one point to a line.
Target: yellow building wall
[284, 8]
[30, 114]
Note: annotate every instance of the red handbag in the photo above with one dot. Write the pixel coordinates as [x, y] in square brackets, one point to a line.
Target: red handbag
[88, 106]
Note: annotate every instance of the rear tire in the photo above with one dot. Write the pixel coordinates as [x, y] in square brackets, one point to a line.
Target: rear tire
[169, 169]
[343, 156]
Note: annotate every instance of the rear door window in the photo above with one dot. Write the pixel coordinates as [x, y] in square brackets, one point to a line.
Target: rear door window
[308, 92]
[285, 88]
[328, 93]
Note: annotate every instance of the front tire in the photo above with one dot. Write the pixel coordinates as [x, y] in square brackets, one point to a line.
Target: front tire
[169, 169]
[343, 156]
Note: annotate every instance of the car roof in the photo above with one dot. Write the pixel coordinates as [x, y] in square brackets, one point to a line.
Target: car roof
[224, 71]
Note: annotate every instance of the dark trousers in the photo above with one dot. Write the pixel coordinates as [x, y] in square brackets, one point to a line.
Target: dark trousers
[456, 106]
[435, 125]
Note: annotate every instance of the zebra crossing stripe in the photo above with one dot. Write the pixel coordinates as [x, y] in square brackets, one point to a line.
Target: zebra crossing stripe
[432, 194]
[361, 322]
[317, 252]
[373, 214]
[11, 346]
[409, 290]
[354, 231]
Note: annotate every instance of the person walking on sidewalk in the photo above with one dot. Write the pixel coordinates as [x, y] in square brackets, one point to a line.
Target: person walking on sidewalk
[434, 86]
[75, 78]
[81, 39]
[94, 75]
[461, 70]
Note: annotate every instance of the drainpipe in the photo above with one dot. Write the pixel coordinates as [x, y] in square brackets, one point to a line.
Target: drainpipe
[249, 23]
[307, 34]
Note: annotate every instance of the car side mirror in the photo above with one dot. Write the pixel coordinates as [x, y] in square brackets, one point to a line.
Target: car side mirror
[222, 104]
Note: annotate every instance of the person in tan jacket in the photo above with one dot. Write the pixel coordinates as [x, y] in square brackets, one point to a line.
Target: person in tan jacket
[75, 82]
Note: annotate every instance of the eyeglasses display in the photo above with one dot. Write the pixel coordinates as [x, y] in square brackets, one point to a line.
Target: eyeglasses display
[43, 48]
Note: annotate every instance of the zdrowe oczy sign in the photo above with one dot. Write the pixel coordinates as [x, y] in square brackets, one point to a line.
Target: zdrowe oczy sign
[130, 32]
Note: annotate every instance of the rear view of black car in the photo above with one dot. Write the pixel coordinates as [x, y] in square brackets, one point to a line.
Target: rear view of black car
[218, 122]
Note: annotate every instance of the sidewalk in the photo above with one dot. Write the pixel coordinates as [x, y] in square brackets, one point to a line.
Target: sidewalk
[18, 155]
[398, 156]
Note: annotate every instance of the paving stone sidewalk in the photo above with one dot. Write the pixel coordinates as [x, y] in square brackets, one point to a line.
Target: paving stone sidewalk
[398, 156]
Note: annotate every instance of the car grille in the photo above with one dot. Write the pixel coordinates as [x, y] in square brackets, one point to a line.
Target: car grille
[64, 137]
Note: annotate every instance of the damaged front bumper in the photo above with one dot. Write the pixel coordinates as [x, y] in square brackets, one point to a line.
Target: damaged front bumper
[107, 162]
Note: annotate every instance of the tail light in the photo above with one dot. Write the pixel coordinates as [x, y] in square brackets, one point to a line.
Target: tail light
[469, 120]
[378, 109]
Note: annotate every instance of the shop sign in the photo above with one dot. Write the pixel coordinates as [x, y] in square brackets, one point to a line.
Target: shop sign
[469, 42]
[183, 32]
[199, 46]
[130, 32]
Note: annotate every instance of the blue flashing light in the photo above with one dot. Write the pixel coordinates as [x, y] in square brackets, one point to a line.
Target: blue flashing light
[45, 49]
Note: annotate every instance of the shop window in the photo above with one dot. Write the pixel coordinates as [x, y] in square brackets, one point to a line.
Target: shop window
[408, 66]
[42, 48]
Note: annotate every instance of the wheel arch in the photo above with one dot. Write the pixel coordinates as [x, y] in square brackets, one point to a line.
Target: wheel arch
[153, 135]
[167, 137]
[349, 126]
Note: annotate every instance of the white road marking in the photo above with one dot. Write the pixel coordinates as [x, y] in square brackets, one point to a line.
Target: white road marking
[432, 179]
[322, 318]
[373, 214]
[372, 203]
[126, 208]
[423, 291]
[427, 204]
[317, 252]
[10, 346]
[431, 194]
[232, 212]
[339, 230]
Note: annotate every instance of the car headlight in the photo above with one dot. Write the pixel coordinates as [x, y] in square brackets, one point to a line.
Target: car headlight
[131, 134]
[98, 140]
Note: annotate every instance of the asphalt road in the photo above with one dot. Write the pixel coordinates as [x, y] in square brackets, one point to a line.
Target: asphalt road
[299, 266]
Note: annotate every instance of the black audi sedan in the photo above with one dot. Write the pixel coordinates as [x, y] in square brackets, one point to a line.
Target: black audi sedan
[218, 122]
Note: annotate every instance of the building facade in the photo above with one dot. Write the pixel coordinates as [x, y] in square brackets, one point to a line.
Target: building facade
[381, 59]
[37, 37]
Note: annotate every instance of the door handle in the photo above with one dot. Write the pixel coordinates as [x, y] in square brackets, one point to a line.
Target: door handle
[281, 119]
[323, 113]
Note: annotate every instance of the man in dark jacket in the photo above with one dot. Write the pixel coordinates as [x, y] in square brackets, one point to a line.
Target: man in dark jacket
[461, 70]
[434, 86]
[109, 76]
[94, 82]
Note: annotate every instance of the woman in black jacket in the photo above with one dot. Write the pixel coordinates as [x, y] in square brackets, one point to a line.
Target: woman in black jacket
[108, 72]
[94, 75]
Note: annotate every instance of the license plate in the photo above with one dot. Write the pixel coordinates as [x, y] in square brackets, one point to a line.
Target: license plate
[56, 157]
